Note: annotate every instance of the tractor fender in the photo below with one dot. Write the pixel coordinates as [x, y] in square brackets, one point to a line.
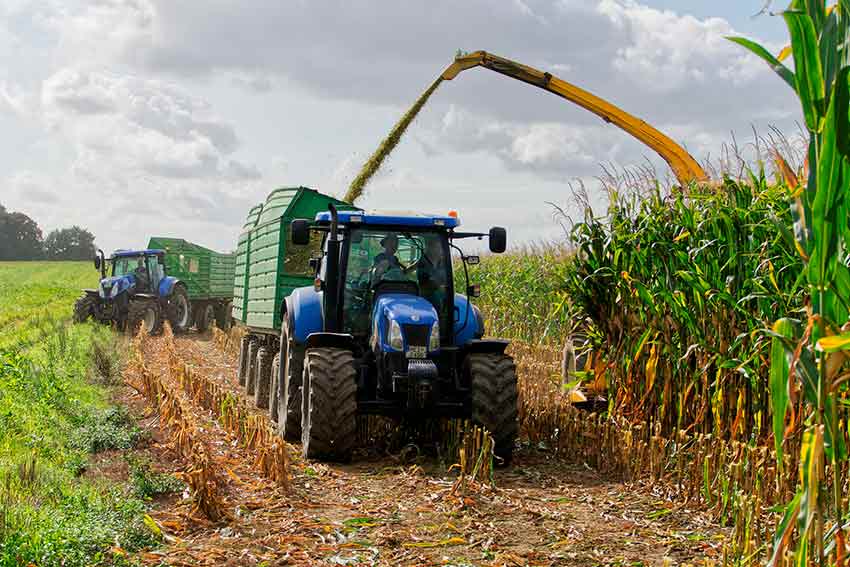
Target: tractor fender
[330, 340]
[486, 346]
[304, 310]
[474, 327]
[167, 284]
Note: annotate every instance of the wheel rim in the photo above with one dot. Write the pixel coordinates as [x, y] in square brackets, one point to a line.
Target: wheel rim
[182, 311]
[150, 319]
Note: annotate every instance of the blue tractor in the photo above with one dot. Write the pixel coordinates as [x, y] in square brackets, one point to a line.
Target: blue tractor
[138, 292]
[383, 331]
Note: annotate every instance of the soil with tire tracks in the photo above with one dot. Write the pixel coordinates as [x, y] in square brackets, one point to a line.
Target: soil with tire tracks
[400, 509]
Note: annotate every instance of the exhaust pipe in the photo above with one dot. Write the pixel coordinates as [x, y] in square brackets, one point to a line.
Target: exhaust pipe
[331, 297]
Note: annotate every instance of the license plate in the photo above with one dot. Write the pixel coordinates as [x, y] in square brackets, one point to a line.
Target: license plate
[416, 352]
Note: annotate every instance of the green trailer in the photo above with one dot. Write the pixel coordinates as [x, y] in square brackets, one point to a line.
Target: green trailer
[267, 269]
[207, 276]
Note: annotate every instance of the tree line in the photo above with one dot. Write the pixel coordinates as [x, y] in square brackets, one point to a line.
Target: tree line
[22, 239]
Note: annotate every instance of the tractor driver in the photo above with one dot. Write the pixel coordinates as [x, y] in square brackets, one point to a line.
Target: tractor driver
[387, 260]
[141, 273]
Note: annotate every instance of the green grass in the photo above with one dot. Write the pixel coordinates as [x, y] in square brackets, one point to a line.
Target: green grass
[55, 412]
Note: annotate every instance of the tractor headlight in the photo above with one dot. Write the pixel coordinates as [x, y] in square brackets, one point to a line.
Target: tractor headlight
[434, 340]
[395, 338]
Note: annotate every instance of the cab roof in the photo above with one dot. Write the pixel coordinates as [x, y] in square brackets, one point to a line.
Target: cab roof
[145, 252]
[391, 218]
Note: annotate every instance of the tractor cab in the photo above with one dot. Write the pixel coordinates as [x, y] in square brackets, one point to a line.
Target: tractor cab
[384, 328]
[134, 271]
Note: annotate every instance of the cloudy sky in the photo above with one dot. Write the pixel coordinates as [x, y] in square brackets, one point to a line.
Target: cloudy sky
[155, 117]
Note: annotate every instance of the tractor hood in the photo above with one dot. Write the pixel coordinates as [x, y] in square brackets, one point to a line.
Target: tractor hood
[110, 287]
[410, 312]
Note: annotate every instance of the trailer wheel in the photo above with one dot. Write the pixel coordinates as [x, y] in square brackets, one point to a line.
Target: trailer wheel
[494, 400]
[146, 313]
[251, 377]
[289, 383]
[329, 425]
[222, 316]
[84, 308]
[263, 377]
[179, 314]
[205, 317]
[244, 345]
[274, 388]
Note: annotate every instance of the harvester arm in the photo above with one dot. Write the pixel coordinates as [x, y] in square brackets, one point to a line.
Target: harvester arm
[684, 166]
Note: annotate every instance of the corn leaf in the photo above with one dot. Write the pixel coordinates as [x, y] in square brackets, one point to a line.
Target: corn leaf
[775, 64]
[779, 383]
[807, 67]
[784, 529]
[834, 343]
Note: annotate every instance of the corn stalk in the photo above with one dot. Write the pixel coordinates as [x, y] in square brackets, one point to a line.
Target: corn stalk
[808, 353]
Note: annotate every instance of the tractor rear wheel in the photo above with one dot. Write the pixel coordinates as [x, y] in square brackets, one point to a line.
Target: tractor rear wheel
[84, 308]
[263, 380]
[328, 424]
[251, 377]
[204, 317]
[243, 359]
[146, 314]
[179, 314]
[289, 401]
[274, 388]
[494, 400]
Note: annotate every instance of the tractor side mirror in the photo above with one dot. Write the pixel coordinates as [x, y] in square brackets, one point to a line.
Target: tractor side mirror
[473, 260]
[498, 240]
[300, 229]
[97, 262]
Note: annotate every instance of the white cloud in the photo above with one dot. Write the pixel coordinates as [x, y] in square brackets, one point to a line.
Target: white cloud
[138, 103]
[143, 125]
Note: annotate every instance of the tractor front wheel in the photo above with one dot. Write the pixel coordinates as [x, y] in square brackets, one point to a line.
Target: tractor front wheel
[328, 423]
[84, 308]
[179, 314]
[494, 400]
[146, 314]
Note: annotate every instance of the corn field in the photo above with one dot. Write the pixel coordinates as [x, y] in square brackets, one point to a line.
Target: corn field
[678, 295]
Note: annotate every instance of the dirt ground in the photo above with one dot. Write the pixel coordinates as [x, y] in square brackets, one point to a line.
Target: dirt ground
[401, 509]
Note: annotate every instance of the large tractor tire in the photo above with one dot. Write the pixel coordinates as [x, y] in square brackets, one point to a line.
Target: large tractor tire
[223, 318]
[251, 377]
[274, 388]
[243, 359]
[494, 400]
[144, 313]
[179, 310]
[263, 377]
[84, 308]
[290, 378]
[328, 423]
[204, 317]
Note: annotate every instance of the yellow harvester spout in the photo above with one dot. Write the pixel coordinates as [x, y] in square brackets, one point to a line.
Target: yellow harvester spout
[684, 166]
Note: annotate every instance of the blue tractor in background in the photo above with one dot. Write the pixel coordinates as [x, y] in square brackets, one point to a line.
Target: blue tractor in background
[138, 292]
[383, 331]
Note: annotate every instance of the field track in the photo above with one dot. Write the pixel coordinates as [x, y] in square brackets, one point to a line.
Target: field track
[384, 510]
